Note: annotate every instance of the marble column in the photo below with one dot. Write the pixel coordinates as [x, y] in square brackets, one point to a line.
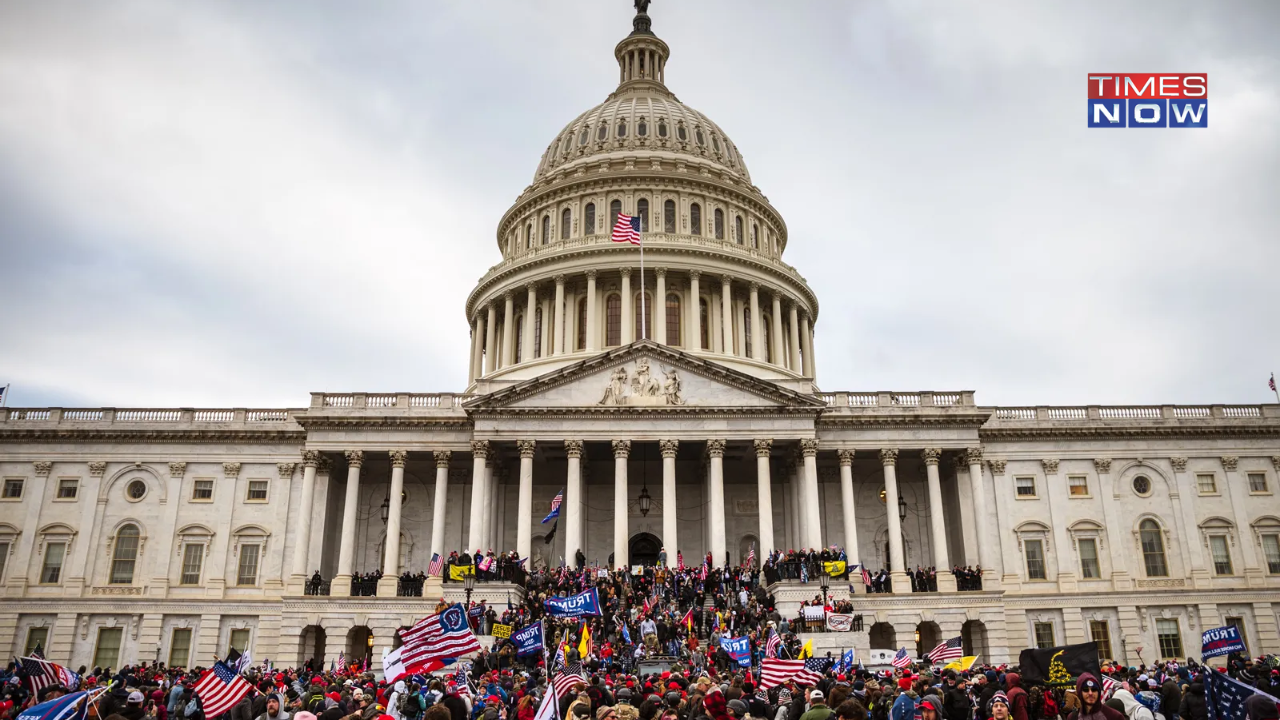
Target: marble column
[524, 506]
[572, 505]
[715, 449]
[779, 344]
[302, 534]
[341, 585]
[530, 315]
[659, 310]
[476, 368]
[628, 308]
[764, 497]
[557, 330]
[848, 507]
[695, 316]
[812, 508]
[795, 340]
[669, 448]
[937, 522]
[593, 337]
[389, 583]
[897, 564]
[813, 358]
[726, 313]
[508, 328]
[438, 520]
[757, 326]
[1238, 490]
[475, 524]
[621, 451]
[806, 346]
[981, 530]
[490, 341]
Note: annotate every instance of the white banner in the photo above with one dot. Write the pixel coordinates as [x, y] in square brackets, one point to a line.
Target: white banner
[839, 622]
[814, 612]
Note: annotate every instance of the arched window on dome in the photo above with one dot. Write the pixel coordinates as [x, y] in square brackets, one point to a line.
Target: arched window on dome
[537, 332]
[567, 145]
[566, 220]
[528, 236]
[1153, 557]
[681, 132]
[546, 229]
[737, 229]
[584, 136]
[669, 216]
[673, 320]
[642, 128]
[615, 209]
[582, 324]
[603, 133]
[719, 224]
[589, 220]
[662, 128]
[697, 135]
[746, 330]
[647, 329]
[613, 320]
[715, 142]
[755, 236]
[642, 210]
[124, 554]
[519, 333]
[766, 322]
[704, 325]
[622, 128]
[695, 219]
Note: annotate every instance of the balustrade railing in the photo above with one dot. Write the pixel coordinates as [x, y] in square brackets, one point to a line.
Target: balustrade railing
[409, 587]
[364, 588]
[314, 588]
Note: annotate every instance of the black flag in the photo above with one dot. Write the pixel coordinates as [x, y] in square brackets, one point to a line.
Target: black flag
[551, 535]
[1059, 666]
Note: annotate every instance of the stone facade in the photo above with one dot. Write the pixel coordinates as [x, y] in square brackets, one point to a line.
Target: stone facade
[136, 534]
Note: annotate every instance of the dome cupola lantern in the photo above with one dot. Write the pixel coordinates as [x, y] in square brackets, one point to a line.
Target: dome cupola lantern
[642, 57]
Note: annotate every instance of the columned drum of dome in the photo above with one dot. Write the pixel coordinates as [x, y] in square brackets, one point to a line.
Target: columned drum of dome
[643, 152]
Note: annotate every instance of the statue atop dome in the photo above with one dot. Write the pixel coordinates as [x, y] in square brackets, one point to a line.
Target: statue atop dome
[642, 25]
[642, 7]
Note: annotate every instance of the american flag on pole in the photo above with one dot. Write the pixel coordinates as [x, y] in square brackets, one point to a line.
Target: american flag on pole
[42, 673]
[772, 645]
[866, 576]
[902, 659]
[1272, 382]
[774, 671]
[566, 680]
[342, 661]
[436, 565]
[1108, 687]
[751, 557]
[947, 651]
[555, 507]
[68, 707]
[436, 638]
[460, 677]
[220, 689]
[627, 229]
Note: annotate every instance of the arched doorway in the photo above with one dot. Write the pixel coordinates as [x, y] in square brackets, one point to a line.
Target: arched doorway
[973, 635]
[360, 644]
[883, 637]
[928, 635]
[746, 545]
[644, 548]
[311, 649]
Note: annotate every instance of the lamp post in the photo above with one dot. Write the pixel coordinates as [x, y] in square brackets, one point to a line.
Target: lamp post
[824, 581]
[469, 584]
[645, 501]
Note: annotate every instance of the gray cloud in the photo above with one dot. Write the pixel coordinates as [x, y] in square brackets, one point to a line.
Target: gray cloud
[237, 204]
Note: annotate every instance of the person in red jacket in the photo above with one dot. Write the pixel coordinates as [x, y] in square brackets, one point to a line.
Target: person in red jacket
[1018, 705]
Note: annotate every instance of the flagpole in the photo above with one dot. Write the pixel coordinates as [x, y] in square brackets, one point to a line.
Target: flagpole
[1274, 388]
[4, 399]
[644, 329]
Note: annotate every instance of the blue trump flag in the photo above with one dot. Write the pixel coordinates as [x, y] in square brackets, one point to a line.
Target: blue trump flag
[584, 603]
[739, 649]
[68, 707]
[528, 640]
[1226, 697]
[846, 661]
[1221, 641]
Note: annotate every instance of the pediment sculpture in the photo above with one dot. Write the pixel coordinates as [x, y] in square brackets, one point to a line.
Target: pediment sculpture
[641, 389]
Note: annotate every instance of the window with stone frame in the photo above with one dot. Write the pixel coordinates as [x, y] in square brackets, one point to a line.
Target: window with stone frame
[258, 490]
[519, 337]
[192, 564]
[201, 490]
[719, 223]
[1089, 569]
[642, 211]
[1025, 486]
[1207, 483]
[1221, 551]
[240, 638]
[537, 332]
[1034, 551]
[5, 545]
[1169, 638]
[180, 648]
[589, 220]
[1044, 635]
[704, 324]
[673, 320]
[582, 324]
[68, 488]
[566, 222]
[106, 651]
[13, 488]
[1100, 633]
[528, 236]
[643, 310]
[247, 564]
[1258, 483]
[613, 320]
[737, 230]
[1078, 485]
[124, 555]
[669, 216]
[1271, 549]
[695, 219]
[546, 229]
[51, 567]
[37, 639]
[615, 209]
[1151, 538]
[746, 330]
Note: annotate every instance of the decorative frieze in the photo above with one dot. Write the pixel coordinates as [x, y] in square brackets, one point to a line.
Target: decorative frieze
[286, 469]
[1050, 466]
[42, 467]
[1229, 462]
[1179, 463]
[231, 469]
[97, 468]
[997, 466]
[177, 470]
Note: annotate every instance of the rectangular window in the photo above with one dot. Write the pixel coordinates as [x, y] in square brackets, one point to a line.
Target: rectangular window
[4, 558]
[1026, 486]
[13, 488]
[240, 638]
[37, 639]
[1044, 635]
[1258, 483]
[1221, 555]
[106, 653]
[1271, 548]
[51, 571]
[1170, 638]
[180, 647]
[202, 490]
[1207, 483]
[247, 574]
[1100, 632]
[1238, 624]
[1089, 558]
[257, 491]
[68, 488]
[1078, 486]
[192, 562]
[1035, 559]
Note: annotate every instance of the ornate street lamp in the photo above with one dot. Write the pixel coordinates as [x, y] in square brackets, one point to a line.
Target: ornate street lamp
[824, 581]
[385, 508]
[469, 584]
[902, 509]
[645, 500]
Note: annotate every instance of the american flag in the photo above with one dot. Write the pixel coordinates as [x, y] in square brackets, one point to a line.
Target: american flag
[42, 673]
[460, 677]
[866, 576]
[555, 507]
[902, 659]
[571, 676]
[773, 645]
[342, 661]
[946, 651]
[436, 638]
[774, 671]
[751, 557]
[1272, 382]
[436, 565]
[220, 689]
[68, 707]
[1108, 687]
[627, 229]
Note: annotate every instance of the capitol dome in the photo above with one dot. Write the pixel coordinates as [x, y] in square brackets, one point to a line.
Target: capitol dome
[713, 282]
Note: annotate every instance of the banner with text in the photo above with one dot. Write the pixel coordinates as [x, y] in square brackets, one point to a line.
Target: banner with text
[528, 640]
[839, 622]
[739, 649]
[501, 631]
[1221, 641]
[584, 603]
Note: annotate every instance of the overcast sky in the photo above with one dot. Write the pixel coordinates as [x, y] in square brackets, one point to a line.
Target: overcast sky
[237, 203]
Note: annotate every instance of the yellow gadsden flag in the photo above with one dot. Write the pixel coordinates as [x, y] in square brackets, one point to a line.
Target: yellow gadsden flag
[962, 664]
[584, 647]
[457, 572]
[806, 651]
[835, 568]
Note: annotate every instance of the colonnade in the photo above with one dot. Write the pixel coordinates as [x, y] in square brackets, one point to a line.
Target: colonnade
[547, 321]
[482, 520]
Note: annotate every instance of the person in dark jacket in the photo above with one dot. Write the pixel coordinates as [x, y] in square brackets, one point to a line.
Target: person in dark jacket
[1089, 691]
[955, 698]
[1170, 699]
[1193, 705]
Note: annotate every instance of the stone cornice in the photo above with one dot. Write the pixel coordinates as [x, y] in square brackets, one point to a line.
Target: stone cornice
[373, 420]
[155, 435]
[892, 420]
[1154, 430]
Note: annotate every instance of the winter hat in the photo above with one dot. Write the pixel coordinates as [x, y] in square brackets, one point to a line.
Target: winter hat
[999, 697]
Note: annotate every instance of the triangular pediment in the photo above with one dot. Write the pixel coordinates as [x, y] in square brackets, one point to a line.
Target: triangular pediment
[646, 376]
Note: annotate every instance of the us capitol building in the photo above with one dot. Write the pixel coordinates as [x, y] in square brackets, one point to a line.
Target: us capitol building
[133, 535]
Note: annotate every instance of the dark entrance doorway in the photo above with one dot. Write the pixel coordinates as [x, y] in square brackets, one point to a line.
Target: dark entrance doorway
[643, 549]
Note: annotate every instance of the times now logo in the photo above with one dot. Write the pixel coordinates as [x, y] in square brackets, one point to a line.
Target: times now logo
[1148, 100]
